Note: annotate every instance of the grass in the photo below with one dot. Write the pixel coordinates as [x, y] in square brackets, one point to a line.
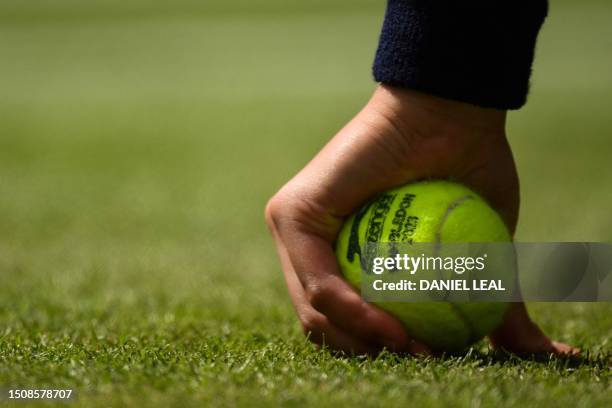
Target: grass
[137, 149]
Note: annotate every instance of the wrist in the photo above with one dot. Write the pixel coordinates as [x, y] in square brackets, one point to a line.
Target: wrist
[432, 115]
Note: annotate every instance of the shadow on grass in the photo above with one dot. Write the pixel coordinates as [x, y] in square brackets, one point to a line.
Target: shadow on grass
[585, 359]
[472, 356]
[599, 361]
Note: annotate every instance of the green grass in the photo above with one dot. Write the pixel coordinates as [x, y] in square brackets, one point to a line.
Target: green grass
[138, 146]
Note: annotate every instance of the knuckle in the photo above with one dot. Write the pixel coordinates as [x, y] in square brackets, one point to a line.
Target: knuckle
[318, 295]
[291, 209]
[275, 210]
[313, 324]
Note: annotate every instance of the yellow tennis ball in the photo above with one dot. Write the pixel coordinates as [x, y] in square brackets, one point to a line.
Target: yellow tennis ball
[428, 211]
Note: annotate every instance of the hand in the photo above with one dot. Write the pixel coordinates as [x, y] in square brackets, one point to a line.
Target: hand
[400, 136]
[519, 334]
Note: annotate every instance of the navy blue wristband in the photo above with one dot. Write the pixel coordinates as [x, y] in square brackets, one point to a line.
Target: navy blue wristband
[474, 51]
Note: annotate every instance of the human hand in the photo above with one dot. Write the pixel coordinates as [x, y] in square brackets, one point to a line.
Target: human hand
[400, 136]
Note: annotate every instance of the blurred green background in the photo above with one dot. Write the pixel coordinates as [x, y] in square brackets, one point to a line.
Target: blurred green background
[139, 142]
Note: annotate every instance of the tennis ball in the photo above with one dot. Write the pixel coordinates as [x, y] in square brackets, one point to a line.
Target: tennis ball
[428, 211]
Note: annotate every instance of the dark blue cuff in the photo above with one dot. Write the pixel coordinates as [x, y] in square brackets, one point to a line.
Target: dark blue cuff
[475, 51]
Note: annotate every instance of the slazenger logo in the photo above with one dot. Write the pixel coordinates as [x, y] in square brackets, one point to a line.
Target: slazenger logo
[380, 209]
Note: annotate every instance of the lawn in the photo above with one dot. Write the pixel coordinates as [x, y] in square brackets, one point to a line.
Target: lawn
[139, 143]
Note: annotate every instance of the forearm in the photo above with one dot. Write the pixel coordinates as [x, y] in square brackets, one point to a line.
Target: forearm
[474, 51]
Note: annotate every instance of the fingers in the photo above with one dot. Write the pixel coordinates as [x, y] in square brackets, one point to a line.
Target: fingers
[315, 325]
[518, 334]
[564, 350]
[319, 329]
[315, 265]
[330, 310]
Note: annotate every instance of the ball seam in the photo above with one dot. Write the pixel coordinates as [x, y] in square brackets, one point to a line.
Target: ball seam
[472, 336]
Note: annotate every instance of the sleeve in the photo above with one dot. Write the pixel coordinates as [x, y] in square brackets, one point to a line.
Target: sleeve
[474, 51]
